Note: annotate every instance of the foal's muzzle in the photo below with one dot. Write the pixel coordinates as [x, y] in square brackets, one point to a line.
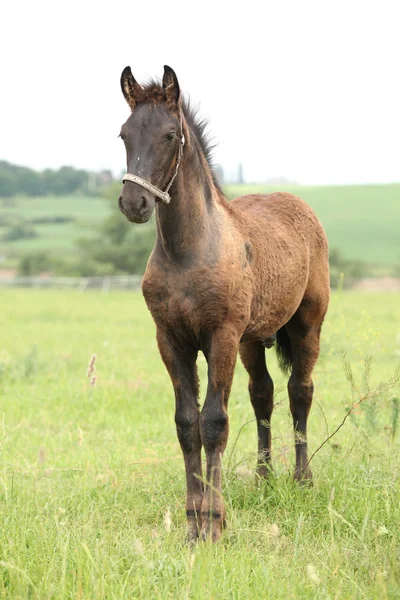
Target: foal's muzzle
[136, 203]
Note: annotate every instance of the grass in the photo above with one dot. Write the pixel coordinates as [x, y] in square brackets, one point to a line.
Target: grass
[87, 214]
[360, 221]
[92, 485]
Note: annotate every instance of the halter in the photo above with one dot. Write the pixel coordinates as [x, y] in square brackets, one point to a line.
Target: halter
[164, 196]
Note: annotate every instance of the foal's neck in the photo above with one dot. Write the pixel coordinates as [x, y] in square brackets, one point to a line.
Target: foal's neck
[185, 225]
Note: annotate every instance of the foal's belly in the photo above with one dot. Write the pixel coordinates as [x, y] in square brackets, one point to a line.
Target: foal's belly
[273, 305]
[265, 321]
[193, 304]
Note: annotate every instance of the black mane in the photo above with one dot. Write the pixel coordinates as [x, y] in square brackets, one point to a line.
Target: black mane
[199, 127]
[153, 92]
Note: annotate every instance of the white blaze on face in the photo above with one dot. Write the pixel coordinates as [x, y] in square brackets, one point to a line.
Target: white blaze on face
[140, 171]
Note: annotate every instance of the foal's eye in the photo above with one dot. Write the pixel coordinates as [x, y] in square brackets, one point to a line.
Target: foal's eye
[169, 137]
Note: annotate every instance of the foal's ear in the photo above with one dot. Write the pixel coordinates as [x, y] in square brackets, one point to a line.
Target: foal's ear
[170, 84]
[130, 87]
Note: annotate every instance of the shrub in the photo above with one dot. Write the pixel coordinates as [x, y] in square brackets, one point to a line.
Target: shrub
[345, 270]
[34, 263]
[19, 230]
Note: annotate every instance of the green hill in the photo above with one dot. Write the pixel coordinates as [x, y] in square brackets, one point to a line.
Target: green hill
[362, 221]
[57, 221]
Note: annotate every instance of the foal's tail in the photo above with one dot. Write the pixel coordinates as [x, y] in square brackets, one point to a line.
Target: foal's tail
[284, 350]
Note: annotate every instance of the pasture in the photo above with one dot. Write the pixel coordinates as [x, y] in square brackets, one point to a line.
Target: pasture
[92, 484]
[360, 220]
[84, 215]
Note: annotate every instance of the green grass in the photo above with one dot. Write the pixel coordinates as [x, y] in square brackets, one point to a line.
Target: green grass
[88, 214]
[92, 485]
[79, 207]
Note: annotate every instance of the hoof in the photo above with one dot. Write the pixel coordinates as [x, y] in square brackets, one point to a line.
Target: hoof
[213, 527]
[303, 476]
[213, 537]
[264, 471]
[193, 525]
[192, 539]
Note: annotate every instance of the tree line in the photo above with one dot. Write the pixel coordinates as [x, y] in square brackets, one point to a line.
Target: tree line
[17, 180]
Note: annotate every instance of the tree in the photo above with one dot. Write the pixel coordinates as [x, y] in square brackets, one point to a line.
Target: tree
[342, 268]
[7, 184]
[122, 246]
[15, 180]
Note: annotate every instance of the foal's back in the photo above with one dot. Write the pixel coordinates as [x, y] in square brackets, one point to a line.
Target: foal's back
[281, 211]
[280, 223]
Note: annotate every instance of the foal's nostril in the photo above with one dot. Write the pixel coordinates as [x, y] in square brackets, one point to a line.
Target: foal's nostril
[120, 203]
[143, 204]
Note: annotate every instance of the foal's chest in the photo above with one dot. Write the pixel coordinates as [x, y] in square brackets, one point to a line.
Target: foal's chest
[188, 300]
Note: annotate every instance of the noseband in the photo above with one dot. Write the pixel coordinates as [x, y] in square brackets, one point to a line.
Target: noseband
[164, 196]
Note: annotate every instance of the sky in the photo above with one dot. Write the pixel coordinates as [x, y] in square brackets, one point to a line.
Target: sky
[302, 89]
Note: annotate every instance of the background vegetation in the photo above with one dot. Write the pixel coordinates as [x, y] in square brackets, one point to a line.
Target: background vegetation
[86, 235]
[15, 180]
[92, 484]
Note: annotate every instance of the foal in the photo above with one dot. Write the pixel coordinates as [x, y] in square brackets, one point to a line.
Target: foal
[223, 277]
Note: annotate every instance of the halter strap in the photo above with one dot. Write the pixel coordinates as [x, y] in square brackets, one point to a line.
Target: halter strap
[164, 196]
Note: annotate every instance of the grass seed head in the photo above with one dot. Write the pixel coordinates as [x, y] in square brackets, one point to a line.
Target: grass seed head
[80, 437]
[138, 547]
[42, 455]
[167, 520]
[243, 471]
[91, 366]
[382, 530]
[274, 530]
[312, 574]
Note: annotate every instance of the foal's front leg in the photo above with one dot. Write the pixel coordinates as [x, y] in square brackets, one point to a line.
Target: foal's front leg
[182, 369]
[221, 357]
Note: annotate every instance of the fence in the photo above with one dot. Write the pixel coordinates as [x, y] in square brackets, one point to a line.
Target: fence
[106, 284]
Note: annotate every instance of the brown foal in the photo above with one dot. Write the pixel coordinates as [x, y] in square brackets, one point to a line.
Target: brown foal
[223, 277]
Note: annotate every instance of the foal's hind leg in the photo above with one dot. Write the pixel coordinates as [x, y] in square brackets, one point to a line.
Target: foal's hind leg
[304, 331]
[261, 390]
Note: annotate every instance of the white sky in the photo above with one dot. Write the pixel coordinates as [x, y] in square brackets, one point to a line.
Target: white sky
[306, 89]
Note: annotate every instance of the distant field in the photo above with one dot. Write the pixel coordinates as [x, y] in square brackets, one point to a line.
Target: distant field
[361, 221]
[87, 214]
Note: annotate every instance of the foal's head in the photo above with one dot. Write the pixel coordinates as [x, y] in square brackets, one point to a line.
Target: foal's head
[152, 137]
